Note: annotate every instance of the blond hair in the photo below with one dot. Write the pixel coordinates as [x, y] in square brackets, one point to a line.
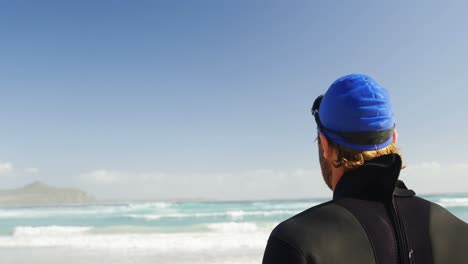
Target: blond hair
[350, 159]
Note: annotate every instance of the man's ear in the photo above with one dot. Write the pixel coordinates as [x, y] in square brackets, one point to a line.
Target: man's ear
[325, 146]
[395, 136]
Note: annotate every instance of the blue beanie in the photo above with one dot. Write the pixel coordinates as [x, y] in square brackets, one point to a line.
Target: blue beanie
[356, 103]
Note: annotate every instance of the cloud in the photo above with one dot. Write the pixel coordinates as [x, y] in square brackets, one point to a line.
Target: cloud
[254, 184]
[104, 177]
[436, 177]
[426, 165]
[31, 170]
[462, 166]
[423, 177]
[6, 167]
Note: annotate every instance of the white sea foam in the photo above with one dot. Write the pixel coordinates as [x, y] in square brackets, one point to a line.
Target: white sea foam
[235, 227]
[145, 216]
[224, 236]
[453, 202]
[28, 231]
[156, 205]
[42, 212]
[241, 213]
[10, 214]
[285, 206]
[50, 212]
[234, 215]
[149, 211]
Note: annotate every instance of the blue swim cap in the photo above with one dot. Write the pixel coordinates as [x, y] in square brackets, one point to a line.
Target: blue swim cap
[356, 112]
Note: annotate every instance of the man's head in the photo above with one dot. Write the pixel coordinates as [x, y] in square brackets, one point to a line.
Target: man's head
[355, 123]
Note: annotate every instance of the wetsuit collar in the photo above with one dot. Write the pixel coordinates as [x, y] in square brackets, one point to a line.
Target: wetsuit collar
[375, 180]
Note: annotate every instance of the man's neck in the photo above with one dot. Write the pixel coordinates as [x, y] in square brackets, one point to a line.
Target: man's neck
[337, 173]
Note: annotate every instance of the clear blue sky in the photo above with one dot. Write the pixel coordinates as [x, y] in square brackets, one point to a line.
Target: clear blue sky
[211, 99]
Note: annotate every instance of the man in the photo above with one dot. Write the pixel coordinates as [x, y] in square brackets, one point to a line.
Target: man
[373, 217]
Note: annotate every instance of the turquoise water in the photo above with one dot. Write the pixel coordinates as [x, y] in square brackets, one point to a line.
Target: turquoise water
[151, 217]
[175, 217]
[165, 230]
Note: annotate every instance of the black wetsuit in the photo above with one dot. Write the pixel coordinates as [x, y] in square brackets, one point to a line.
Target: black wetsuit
[373, 218]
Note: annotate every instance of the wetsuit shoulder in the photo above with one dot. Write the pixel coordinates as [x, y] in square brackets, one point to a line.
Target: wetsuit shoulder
[448, 235]
[327, 233]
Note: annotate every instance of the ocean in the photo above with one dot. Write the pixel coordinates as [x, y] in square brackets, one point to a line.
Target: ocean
[154, 232]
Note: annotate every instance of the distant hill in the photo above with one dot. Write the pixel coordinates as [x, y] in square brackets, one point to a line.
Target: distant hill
[38, 193]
